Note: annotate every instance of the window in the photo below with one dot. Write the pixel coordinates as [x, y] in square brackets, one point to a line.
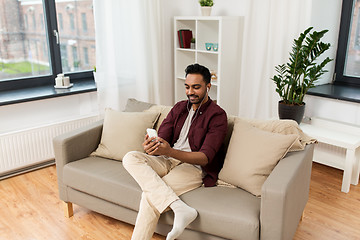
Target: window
[347, 67]
[20, 52]
[74, 37]
[34, 21]
[34, 56]
[42, 21]
[72, 21]
[64, 58]
[60, 21]
[86, 56]
[26, 26]
[84, 23]
[76, 61]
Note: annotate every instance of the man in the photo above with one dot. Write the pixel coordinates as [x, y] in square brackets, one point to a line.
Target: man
[181, 159]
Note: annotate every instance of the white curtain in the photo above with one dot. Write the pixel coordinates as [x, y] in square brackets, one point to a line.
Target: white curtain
[128, 51]
[270, 27]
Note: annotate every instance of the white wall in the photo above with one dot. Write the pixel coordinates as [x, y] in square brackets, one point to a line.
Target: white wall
[17, 117]
[343, 111]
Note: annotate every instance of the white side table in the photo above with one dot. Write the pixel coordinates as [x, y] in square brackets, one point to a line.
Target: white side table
[340, 135]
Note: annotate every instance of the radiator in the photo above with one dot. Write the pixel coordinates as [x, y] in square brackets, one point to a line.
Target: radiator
[32, 148]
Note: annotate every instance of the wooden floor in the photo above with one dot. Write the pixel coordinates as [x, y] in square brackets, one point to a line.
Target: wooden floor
[30, 210]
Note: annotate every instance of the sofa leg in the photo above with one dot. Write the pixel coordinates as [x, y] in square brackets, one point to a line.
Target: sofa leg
[302, 216]
[68, 209]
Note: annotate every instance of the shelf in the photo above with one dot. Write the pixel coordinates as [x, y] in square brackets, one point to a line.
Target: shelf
[186, 49]
[195, 50]
[207, 52]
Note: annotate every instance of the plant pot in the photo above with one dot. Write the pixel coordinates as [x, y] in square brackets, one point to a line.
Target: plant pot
[294, 112]
[206, 11]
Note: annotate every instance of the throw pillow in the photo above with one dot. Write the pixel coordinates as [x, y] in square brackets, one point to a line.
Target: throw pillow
[284, 127]
[134, 105]
[163, 110]
[123, 132]
[252, 155]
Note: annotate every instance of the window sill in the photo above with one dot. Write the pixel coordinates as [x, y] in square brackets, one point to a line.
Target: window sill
[339, 92]
[44, 92]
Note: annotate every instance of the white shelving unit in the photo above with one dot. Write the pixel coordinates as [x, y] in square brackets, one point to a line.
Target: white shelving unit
[226, 31]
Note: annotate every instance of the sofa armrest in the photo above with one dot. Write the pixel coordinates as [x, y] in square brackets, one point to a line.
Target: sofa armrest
[73, 146]
[285, 194]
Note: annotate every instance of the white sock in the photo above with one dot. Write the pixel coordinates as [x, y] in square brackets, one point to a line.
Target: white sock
[184, 215]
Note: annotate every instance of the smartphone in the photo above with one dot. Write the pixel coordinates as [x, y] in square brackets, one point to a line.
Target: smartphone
[151, 132]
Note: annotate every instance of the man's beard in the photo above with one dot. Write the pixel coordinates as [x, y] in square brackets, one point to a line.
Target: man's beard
[195, 99]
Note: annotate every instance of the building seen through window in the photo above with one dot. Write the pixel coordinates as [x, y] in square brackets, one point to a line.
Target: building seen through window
[24, 42]
[73, 38]
[352, 65]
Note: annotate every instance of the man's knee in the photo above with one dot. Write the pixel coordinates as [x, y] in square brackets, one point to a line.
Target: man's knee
[131, 158]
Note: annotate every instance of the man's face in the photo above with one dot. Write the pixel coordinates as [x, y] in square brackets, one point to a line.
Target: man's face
[195, 88]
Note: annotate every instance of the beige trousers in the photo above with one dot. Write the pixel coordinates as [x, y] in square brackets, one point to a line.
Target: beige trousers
[162, 180]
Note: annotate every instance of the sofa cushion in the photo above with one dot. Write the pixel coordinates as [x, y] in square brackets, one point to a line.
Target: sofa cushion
[230, 213]
[133, 105]
[252, 155]
[123, 132]
[104, 178]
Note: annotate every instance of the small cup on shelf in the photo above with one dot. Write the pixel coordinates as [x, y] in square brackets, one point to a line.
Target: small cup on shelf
[208, 46]
[215, 47]
[66, 81]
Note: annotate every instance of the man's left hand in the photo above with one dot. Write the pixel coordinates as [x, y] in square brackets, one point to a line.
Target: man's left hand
[163, 149]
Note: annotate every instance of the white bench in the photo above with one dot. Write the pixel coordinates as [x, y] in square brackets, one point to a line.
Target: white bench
[341, 135]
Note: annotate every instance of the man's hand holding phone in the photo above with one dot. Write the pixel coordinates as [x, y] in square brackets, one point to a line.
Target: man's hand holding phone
[151, 142]
[154, 145]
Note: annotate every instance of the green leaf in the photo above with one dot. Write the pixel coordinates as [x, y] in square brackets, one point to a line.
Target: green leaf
[295, 77]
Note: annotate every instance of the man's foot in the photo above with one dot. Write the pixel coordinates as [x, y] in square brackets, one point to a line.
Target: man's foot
[184, 215]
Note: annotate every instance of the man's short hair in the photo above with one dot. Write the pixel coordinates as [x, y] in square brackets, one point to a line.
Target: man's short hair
[199, 69]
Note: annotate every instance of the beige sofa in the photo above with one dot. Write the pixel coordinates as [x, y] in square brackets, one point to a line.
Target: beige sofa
[104, 186]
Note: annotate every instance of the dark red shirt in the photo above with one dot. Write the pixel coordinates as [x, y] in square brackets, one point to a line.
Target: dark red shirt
[206, 134]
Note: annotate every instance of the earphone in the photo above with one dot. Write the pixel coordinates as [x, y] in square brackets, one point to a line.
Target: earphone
[208, 89]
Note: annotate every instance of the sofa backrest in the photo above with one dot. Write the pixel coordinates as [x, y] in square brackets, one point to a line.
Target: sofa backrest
[134, 105]
[276, 126]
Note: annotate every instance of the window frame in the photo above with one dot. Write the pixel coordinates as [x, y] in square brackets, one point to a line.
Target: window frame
[343, 41]
[54, 58]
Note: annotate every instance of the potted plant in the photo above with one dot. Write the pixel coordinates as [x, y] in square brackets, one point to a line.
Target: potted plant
[192, 44]
[296, 77]
[206, 6]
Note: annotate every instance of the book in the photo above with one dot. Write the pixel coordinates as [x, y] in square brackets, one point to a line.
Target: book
[184, 36]
[179, 38]
[187, 36]
[181, 44]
